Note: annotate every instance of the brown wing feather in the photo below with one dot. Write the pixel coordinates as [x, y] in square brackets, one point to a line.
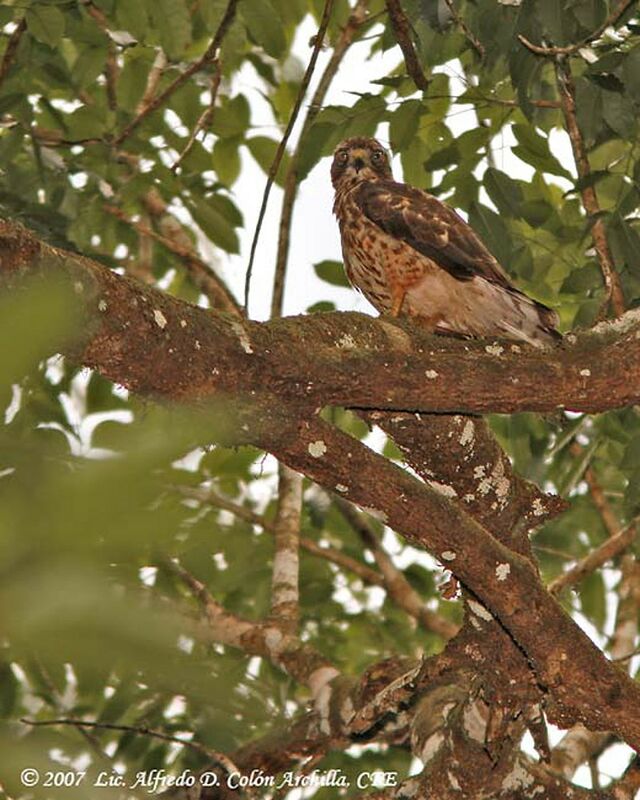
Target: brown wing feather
[431, 227]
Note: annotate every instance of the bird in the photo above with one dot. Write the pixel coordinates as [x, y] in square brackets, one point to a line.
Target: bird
[413, 255]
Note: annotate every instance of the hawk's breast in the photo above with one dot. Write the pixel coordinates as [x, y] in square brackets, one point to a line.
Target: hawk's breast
[375, 263]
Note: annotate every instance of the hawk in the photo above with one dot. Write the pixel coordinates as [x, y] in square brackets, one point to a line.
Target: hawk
[410, 253]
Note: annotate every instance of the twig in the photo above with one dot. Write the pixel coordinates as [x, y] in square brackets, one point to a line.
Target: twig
[542, 50]
[566, 88]
[401, 30]
[57, 702]
[205, 118]
[273, 169]
[336, 557]
[469, 34]
[207, 281]
[397, 586]
[214, 755]
[209, 56]
[158, 67]
[285, 594]
[596, 558]
[12, 49]
[345, 39]
[111, 65]
[299, 660]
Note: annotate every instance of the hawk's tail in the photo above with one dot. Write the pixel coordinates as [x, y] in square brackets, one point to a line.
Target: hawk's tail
[533, 322]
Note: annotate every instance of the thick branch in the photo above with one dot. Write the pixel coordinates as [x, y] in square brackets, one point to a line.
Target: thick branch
[158, 345]
[582, 684]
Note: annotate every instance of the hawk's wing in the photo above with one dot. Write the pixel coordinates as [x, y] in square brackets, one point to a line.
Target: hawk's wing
[429, 226]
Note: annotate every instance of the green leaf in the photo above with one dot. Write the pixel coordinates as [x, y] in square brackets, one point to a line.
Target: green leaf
[264, 26]
[593, 599]
[589, 13]
[625, 243]
[523, 67]
[133, 18]
[632, 494]
[618, 113]
[132, 79]
[583, 279]
[332, 272]
[534, 149]
[227, 208]
[631, 457]
[9, 690]
[321, 307]
[214, 225]
[631, 72]
[504, 191]
[89, 65]
[226, 160]
[172, 22]
[552, 16]
[87, 122]
[45, 23]
[404, 122]
[231, 118]
[492, 231]
[263, 149]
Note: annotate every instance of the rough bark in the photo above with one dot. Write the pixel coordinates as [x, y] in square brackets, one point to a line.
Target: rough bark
[156, 344]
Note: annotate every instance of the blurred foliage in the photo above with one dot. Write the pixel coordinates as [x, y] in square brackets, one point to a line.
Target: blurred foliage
[94, 624]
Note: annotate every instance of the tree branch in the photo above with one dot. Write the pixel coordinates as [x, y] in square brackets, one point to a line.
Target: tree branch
[285, 595]
[468, 33]
[299, 660]
[212, 755]
[11, 49]
[330, 554]
[156, 344]
[152, 104]
[355, 21]
[612, 547]
[567, 91]
[402, 33]
[611, 20]
[282, 146]
[202, 276]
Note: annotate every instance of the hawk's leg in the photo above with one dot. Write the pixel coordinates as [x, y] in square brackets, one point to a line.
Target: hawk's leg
[397, 299]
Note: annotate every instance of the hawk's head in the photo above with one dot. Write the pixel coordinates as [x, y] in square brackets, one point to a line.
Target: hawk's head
[359, 159]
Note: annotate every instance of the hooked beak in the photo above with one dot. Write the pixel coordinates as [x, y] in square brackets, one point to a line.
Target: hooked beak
[358, 163]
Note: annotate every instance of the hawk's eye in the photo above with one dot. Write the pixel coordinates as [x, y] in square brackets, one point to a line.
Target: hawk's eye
[342, 157]
[377, 156]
